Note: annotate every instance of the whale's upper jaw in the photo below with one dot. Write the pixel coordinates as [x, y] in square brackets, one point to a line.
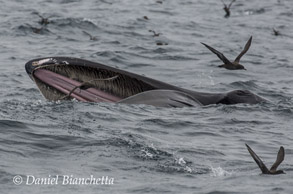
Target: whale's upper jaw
[34, 64]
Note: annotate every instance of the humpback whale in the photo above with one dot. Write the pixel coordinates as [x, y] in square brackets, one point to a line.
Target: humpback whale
[228, 64]
[60, 78]
[273, 170]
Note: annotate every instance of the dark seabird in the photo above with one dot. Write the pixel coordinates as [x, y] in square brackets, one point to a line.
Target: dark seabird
[146, 17]
[262, 166]
[91, 37]
[155, 34]
[227, 8]
[44, 21]
[276, 32]
[228, 64]
[36, 30]
[161, 43]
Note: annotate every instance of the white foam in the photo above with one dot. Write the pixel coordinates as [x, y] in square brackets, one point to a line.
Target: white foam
[216, 172]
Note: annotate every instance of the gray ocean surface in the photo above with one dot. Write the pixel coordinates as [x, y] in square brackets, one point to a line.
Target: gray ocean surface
[143, 148]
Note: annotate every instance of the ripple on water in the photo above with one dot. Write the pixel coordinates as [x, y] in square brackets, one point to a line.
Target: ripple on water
[11, 124]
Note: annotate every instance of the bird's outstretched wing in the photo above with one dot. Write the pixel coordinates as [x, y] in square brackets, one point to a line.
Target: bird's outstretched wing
[260, 164]
[280, 158]
[219, 54]
[224, 3]
[231, 3]
[87, 34]
[244, 50]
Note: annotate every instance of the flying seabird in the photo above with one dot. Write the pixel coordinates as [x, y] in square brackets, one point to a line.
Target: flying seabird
[273, 170]
[227, 8]
[91, 37]
[228, 64]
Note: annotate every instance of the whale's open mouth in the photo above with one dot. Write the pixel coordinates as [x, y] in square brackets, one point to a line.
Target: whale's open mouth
[84, 83]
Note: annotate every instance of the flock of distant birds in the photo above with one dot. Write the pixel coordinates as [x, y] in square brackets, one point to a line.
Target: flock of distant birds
[235, 65]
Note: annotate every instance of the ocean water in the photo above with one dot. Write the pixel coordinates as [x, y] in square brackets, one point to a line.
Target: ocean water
[139, 148]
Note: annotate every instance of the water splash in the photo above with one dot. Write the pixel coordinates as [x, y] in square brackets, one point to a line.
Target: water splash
[219, 172]
[183, 163]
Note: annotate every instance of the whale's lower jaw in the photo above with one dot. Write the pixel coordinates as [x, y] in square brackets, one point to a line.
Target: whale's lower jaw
[57, 81]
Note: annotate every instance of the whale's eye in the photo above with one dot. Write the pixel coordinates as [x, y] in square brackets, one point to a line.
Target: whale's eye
[35, 63]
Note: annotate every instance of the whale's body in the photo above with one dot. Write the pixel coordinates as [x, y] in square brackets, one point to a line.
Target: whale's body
[58, 77]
